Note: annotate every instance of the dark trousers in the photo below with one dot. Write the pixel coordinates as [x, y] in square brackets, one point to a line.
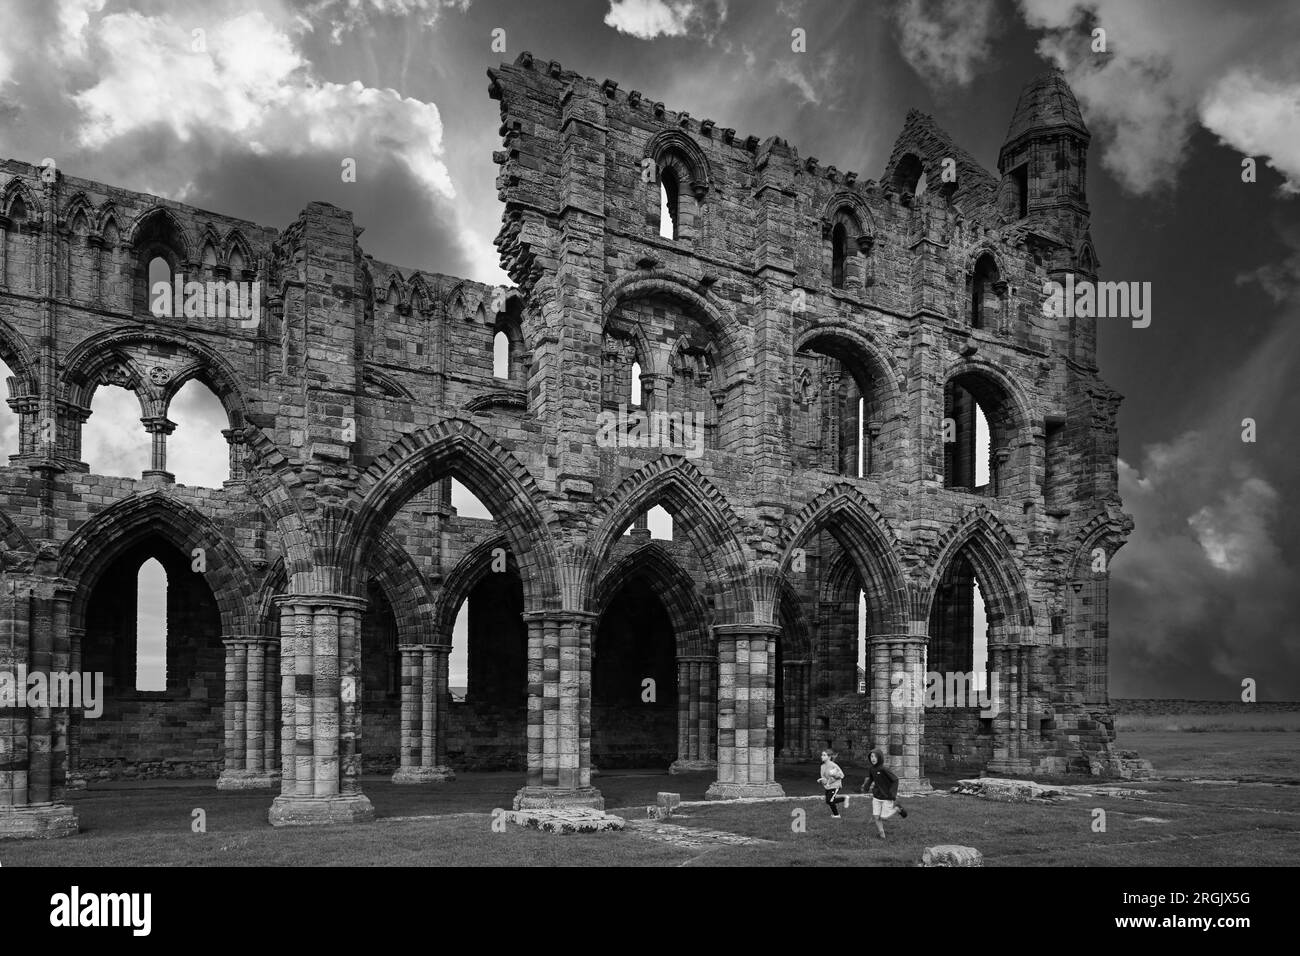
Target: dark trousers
[833, 800]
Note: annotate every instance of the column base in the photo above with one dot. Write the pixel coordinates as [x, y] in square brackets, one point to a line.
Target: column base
[314, 811]
[547, 798]
[424, 775]
[43, 821]
[248, 780]
[741, 791]
[692, 766]
[913, 788]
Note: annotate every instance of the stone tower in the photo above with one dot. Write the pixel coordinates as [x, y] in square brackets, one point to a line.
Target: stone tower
[843, 391]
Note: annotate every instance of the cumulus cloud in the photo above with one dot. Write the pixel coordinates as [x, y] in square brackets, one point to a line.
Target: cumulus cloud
[1201, 595]
[248, 88]
[946, 41]
[648, 19]
[1168, 66]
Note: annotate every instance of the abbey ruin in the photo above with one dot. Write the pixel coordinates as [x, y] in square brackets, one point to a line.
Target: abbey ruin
[837, 342]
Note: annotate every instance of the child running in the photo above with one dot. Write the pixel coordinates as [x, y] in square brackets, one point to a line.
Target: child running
[884, 791]
[832, 779]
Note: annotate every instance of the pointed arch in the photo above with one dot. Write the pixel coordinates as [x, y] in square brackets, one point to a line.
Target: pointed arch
[79, 204]
[406, 588]
[91, 550]
[234, 248]
[17, 188]
[687, 608]
[21, 360]
[418, 294]
[462, 580]
[862, 531]
[699, 510]
[991, 549]
[459, 448]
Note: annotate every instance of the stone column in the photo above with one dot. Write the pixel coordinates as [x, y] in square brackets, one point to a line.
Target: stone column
[695, 714]
[238, 455]
[1007, 662]
[159, 428]
[898, 705]
[320, 705]
[424, 714]
[797, 732]
[250, 715]
[34, 639]
[76, 779]
[559, 711]
[746, 717]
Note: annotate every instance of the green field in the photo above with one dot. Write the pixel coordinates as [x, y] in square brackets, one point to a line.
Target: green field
[1172, 822]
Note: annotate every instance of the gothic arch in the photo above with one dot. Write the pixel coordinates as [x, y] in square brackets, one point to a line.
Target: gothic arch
[706, 518]
[462, 580]
[15, 188]
[90, 551]
[460, 448]
[79, 203]
[235, 242]
[406, 588]
[862, 531]
[990, 548]
[687, 609]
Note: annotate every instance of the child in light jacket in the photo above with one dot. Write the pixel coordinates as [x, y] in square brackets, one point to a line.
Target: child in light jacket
[832, 779]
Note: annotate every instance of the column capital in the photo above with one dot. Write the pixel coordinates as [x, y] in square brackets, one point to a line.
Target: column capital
[901, 637]
[737, 632]
[561, 616]
[340, 601]
[158, 425]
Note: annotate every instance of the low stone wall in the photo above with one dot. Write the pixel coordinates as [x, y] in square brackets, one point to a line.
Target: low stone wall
[1131, 706]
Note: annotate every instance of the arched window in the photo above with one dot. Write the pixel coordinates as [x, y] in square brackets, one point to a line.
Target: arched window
[151, 627]
[636, 383]
[160, 300]
[977, 427]
[839, 250]
[669, 202]
[14, 265]
[500, 355]
[197, 453]
[984, 299]
[113, 440]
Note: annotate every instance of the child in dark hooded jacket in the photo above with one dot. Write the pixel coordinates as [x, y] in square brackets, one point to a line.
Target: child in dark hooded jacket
[884, 791]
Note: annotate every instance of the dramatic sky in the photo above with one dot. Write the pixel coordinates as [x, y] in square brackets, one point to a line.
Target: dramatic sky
[257, 121]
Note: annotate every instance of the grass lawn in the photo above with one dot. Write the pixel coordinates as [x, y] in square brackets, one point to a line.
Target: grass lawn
[1256, 822]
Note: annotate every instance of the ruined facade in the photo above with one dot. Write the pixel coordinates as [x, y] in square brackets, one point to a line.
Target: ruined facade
[819, 357]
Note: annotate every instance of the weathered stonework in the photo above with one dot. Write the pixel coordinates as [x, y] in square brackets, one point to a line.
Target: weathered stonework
[820, 328]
